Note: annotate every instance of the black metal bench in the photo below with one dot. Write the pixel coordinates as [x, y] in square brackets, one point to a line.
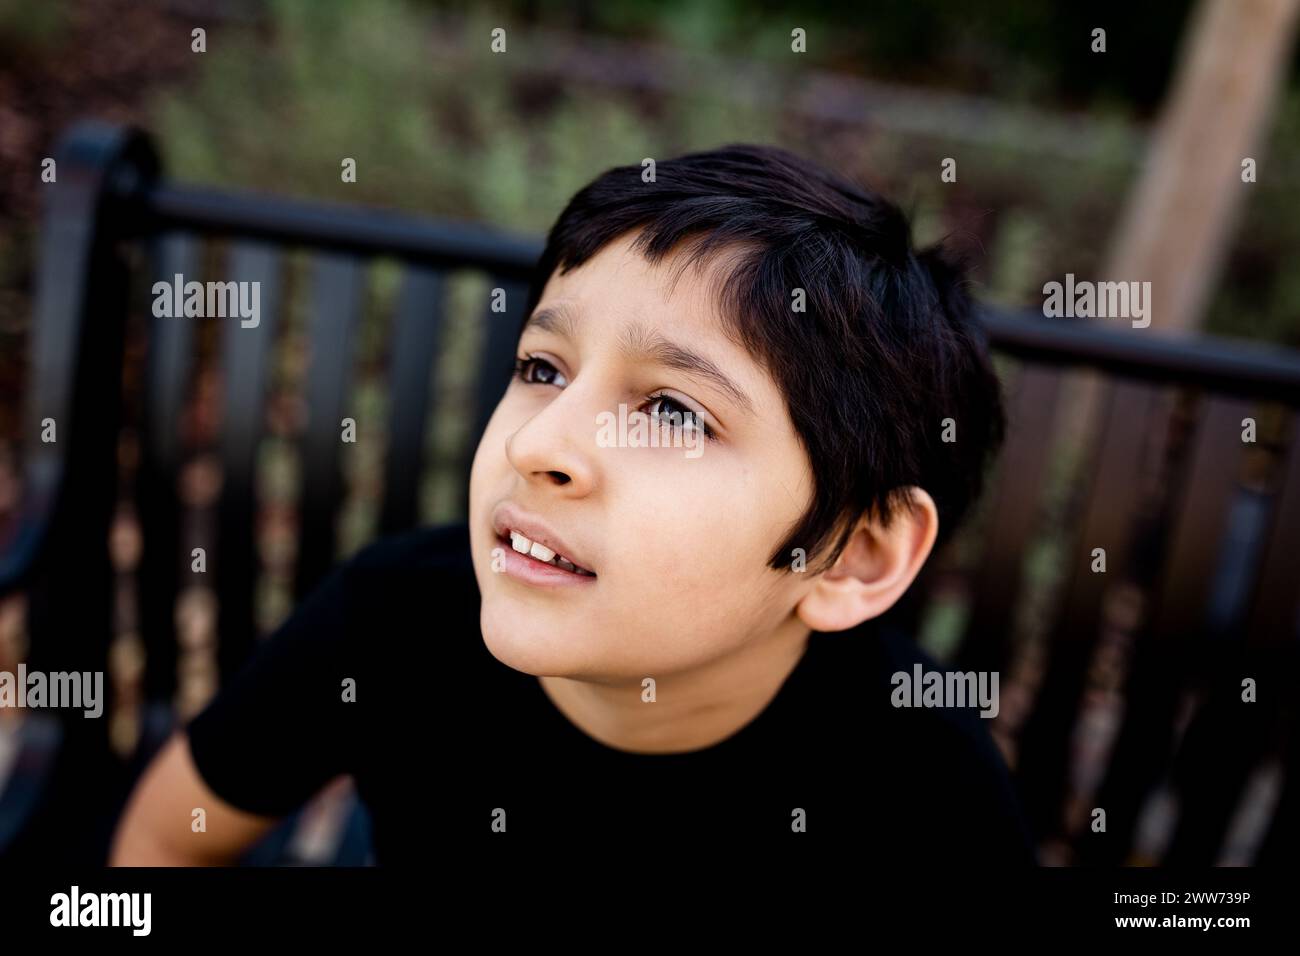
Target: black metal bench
[113, 227]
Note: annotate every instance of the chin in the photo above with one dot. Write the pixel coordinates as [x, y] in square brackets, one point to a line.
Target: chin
[529, 650]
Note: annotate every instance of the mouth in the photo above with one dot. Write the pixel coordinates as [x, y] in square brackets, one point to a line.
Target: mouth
[541, 554]
[537, 553]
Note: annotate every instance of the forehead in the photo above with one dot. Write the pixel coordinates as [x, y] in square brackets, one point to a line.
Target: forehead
[675, 296]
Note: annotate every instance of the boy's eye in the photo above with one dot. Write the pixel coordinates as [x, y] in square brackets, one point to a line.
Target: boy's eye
[677, 412]
[533, 370]
[537, 371]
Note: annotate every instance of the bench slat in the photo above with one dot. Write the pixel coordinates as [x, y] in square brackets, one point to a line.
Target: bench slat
[169, 364]
[417, 338]
[1133, 411]
[337, 286]
[1275, 614]
[1229, 737]
[245, 362]
[1194, 548]
[1158, 672]
[1017, 496]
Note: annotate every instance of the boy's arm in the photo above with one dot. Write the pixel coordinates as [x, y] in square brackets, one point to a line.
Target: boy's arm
[261, 748]
[156, 828]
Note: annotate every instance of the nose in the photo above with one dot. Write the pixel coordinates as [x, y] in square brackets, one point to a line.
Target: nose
[555, 446]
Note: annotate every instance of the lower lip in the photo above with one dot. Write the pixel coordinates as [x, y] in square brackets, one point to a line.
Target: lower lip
[533, 572]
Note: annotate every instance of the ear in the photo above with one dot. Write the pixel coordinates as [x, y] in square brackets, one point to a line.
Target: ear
[876, 567]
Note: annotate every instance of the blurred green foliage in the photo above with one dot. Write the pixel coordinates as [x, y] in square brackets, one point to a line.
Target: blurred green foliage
[439, 125]
[427, 137]
[30, 29]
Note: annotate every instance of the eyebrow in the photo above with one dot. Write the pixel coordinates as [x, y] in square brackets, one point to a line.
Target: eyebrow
[641, 344]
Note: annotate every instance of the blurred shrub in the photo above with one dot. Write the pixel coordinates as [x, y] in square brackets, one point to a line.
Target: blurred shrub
[30, 29]
[283, 96]
[280, 112]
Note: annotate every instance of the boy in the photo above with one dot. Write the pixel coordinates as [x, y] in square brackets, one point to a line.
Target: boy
[665, 629]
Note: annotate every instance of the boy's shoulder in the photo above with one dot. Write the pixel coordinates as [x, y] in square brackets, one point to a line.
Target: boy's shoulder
[941, 763]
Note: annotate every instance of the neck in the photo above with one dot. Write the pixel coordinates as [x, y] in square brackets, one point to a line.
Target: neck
[692, 709]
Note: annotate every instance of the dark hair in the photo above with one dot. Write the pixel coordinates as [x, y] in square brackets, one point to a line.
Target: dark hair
[885, 351]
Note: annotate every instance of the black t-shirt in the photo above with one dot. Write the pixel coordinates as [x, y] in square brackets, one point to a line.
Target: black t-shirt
[443, 739]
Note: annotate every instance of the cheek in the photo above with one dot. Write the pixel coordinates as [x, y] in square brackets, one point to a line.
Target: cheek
[490, 464]
[689, 542]
[490, 454]
[485, 487]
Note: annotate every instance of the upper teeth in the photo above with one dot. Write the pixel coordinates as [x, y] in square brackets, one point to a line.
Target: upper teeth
[541, 552]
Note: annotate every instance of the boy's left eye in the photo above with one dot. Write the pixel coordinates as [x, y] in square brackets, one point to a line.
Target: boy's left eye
[532, 370]
[687, 417]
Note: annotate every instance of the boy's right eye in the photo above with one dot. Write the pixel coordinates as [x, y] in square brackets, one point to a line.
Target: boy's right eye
[537, 371]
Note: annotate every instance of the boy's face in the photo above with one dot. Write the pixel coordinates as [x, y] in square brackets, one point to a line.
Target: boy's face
[677, 534]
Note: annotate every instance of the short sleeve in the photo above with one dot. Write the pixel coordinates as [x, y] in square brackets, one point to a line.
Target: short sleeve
[282, 728]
